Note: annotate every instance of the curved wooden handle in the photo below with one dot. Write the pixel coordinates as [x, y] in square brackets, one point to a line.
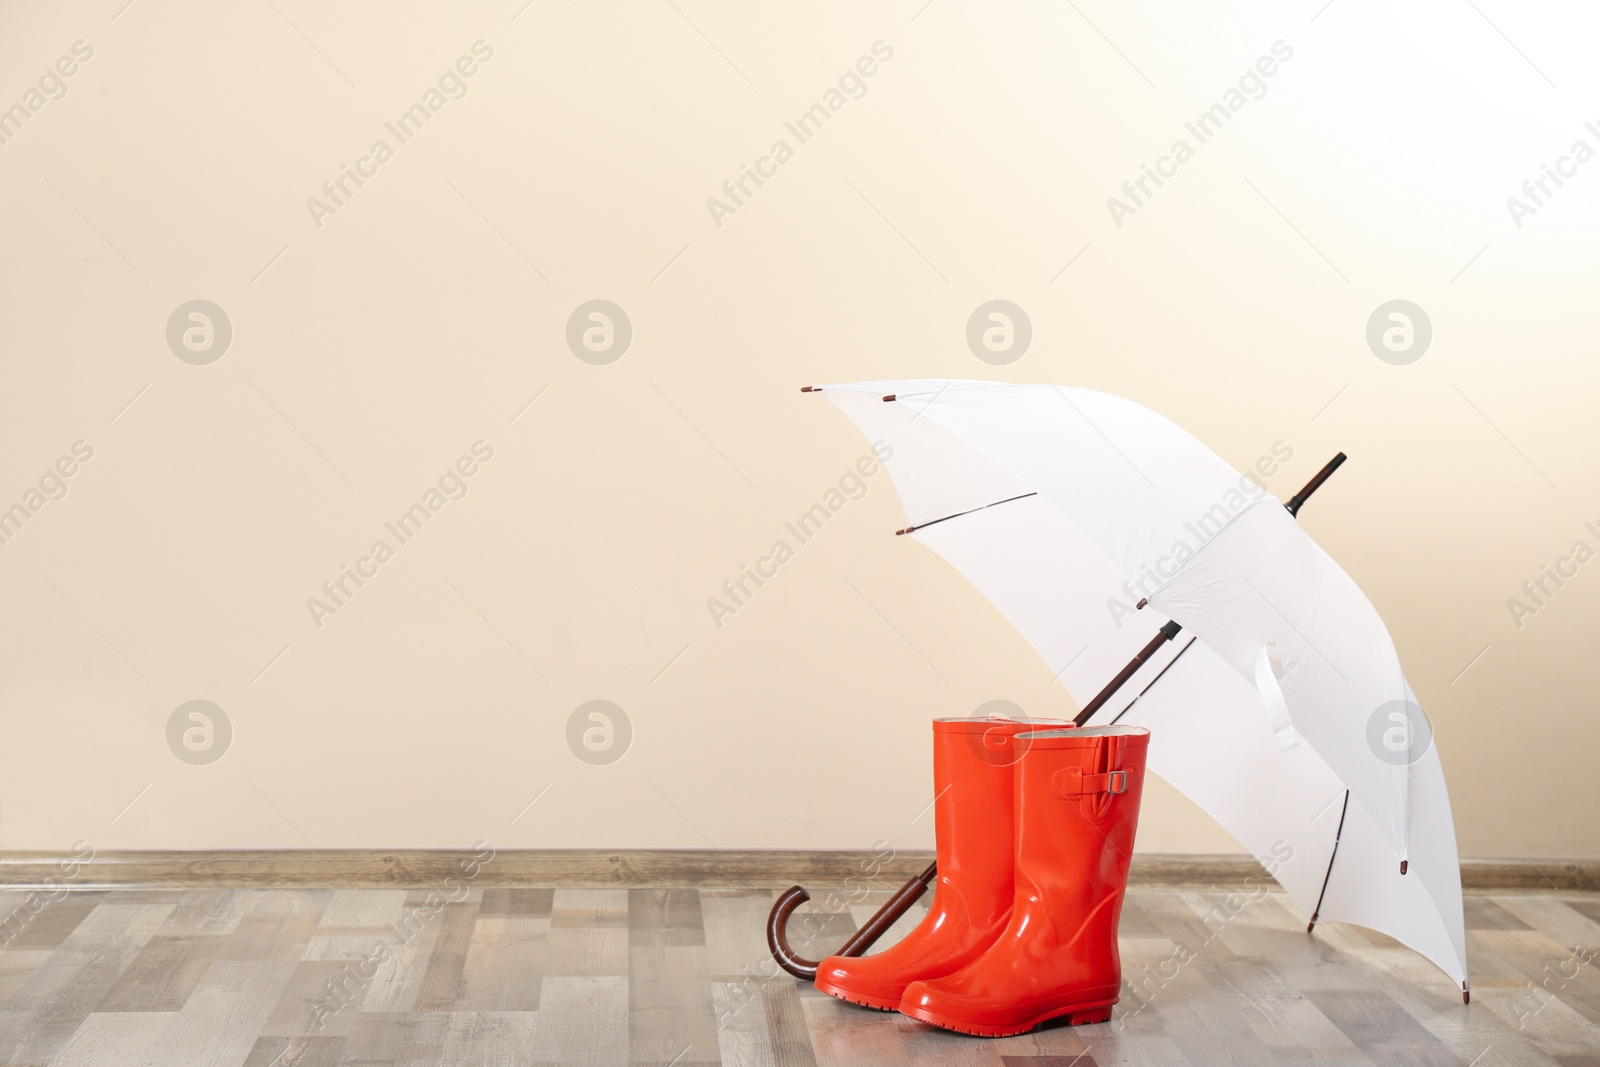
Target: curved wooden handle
[778, 937]
[865, 938]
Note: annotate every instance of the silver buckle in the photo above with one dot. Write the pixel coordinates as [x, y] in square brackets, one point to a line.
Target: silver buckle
[1117, 782]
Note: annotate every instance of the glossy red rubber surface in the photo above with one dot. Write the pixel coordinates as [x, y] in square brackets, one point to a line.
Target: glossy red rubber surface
[1058, 954]
[974, 763]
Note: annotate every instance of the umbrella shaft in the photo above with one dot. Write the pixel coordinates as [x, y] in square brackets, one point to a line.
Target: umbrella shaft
[1314, 484]
[1163, 635]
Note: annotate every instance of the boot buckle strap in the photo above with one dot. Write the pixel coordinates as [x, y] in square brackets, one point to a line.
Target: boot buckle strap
[1077, 784]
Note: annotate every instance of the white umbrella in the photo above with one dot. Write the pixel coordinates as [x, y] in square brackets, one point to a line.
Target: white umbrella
[1283, 713]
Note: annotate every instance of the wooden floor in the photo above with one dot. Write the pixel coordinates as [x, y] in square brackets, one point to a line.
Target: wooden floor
[680, 976]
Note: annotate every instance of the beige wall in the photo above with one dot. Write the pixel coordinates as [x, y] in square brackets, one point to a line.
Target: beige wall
[425, 313]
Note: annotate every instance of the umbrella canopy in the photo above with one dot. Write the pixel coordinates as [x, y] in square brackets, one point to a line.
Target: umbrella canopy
[1284, 713]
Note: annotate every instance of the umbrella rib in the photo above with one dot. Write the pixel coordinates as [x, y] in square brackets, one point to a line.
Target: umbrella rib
[969, 511]
[1153, 681]
[1317, 911]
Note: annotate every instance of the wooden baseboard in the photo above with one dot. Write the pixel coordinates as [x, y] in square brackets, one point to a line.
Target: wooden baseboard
[641, 868]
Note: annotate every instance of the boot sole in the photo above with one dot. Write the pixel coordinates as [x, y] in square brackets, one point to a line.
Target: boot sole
[858, 999]
[1076, 1015]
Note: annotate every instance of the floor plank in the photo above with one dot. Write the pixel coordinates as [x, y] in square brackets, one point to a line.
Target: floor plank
[162, 975]
[583, 1019]
[505, 963]
[589, 933]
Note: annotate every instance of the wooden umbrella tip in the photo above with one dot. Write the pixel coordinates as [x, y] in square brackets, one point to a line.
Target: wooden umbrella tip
[889, 398]
[811, 388]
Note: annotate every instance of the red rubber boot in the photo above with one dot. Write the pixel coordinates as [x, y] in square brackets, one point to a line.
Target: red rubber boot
[1077, 806]
[974, 763]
